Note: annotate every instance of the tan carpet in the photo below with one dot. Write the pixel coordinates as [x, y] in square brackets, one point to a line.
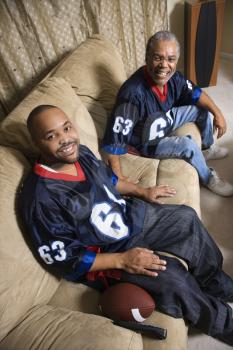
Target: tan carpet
[217, 212]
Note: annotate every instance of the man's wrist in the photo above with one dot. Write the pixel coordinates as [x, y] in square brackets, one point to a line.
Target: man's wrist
[141, 192]
[118, 261]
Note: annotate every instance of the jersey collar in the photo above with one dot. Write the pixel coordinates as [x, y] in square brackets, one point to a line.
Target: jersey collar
[42, 171]
[155, 90]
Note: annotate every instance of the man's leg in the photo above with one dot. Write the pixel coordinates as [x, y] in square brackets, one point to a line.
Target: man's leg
[183, 147]
[177, 294]
[200, 117]
[178, 230]
[203, 119]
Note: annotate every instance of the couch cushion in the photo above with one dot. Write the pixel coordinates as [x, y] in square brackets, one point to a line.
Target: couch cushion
[181, 175]
[54, 91]
[177, 330]
[99, 115]
[95, 69]
[23, 282]
[47, 327]
[184, 178]
[189, 129]
[141, 169]
[85, 299]
[76, 297]
[174, 172]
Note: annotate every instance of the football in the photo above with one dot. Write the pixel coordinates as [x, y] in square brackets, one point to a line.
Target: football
[126, 302]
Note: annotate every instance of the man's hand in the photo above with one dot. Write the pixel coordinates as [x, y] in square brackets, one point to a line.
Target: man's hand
[150, 194]
[219, 121]
[219, 124]
[141, 261]
[153, 193]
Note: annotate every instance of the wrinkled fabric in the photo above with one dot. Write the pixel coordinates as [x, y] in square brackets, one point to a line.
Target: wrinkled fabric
[40, 33]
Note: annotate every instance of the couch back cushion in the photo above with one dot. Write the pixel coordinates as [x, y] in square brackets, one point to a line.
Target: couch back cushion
[24, 283]
[95, 71]
[53, 91]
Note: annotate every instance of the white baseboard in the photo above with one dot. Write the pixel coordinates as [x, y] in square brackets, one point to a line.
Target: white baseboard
[229, 56]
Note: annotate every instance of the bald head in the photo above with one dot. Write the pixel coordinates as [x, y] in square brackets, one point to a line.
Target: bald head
[54, 134]
[32, 118]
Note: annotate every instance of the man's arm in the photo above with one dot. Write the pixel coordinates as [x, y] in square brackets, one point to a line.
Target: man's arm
[150, 194]
[114, 163]
[135, 261]
[219, 121]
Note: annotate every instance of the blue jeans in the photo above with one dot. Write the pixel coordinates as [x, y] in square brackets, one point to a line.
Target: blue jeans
[184, 147]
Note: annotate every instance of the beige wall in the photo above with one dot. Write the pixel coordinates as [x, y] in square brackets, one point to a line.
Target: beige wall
[176, 25]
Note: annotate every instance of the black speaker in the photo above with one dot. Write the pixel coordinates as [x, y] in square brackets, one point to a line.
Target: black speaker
[203, 30]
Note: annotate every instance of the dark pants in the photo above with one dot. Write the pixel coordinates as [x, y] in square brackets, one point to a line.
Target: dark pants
[198, 294]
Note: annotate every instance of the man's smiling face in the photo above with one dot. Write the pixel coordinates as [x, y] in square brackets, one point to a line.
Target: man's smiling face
[56, 137]
[161, 61]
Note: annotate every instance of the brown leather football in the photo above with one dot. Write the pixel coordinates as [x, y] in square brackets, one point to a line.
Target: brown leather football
[126, 302]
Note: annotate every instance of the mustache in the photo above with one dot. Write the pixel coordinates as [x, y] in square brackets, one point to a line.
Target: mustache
[67, 144]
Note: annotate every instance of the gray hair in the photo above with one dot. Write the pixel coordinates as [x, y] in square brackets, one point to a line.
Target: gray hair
[163, 35]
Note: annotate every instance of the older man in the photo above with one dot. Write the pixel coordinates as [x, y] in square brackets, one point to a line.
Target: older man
[154, 102]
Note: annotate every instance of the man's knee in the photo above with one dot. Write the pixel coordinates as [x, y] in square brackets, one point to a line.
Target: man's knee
[186, 216]
[189, 147]
[185, 210]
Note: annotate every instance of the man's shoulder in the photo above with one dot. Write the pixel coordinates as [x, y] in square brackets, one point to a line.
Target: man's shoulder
[84, 150]
[86, 155]
[177, 82]
[177, 76]
[135, 84]
[30, 187]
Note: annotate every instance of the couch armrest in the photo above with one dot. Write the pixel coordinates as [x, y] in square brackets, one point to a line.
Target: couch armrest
[140, 168]
[48, 327]
[177, 330]
[189, 129]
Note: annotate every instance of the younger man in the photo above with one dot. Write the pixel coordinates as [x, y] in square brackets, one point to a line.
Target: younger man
[80, 227]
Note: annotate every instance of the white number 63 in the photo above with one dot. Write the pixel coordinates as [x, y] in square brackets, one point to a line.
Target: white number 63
[45, 254]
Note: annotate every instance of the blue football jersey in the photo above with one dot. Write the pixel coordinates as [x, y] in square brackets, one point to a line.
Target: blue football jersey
[142, 115]
[67, 215]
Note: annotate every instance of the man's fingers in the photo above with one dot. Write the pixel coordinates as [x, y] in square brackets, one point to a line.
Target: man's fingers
[148, 273]
[221, 132]
[158, 201]
[153, 270]
[167, 194]
[158, 267]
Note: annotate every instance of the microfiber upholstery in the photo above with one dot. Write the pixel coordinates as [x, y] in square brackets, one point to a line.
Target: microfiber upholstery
[53, 91]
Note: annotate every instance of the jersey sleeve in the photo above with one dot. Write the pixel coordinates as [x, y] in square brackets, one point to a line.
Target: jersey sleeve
[52, 237]
[81, 266]
[189, 93]
[121, 124]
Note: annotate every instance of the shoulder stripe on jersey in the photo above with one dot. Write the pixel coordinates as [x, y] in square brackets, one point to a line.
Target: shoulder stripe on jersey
[196, 94]
[114, 149]
[45, 172]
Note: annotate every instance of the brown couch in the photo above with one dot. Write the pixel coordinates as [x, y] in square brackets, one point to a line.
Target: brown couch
[38, 311]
